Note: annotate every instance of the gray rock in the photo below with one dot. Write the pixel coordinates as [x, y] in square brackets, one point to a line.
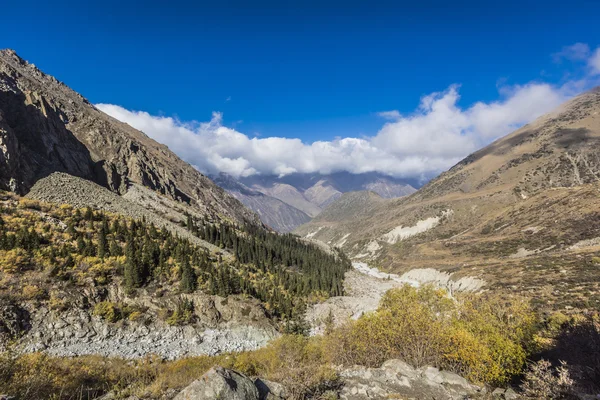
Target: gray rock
[268, 390]
[397, 378]
[510, 394]
[220, 383]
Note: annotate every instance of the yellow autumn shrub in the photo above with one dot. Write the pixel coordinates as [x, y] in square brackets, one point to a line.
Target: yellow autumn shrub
[14, 260]
[25, 203]
[297, 362]
[484, 337]
[31, 292]
[108, 311]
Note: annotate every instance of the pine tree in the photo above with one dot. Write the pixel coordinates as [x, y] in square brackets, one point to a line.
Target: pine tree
[188, 277]
[114, 248]
[80, 244]
[102, 243]
[132, 269]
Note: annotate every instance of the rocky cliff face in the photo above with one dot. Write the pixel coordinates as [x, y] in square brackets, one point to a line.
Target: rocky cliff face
[46, 127]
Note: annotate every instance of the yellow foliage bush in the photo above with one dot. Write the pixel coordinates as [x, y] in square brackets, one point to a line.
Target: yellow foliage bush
[297, 362]
[13, 260]
[31, 292]
[108, 311]
[484, 337]
[29, 203]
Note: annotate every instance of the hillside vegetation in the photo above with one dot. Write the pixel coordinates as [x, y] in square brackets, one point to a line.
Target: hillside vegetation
[487, 338]
[44, 245]
[521, 214]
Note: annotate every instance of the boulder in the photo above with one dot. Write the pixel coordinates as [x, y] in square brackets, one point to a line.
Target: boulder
[268, 390]
[397, 378]
[220, 383]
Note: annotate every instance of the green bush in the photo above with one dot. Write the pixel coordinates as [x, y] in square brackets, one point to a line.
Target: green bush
[108, 311]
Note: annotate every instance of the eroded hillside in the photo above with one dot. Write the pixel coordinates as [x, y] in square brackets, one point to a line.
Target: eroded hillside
[46, 127]
[523, 213]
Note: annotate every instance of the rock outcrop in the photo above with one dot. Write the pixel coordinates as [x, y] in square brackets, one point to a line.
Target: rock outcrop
[396, 379]
[220, 383]
[46, 127]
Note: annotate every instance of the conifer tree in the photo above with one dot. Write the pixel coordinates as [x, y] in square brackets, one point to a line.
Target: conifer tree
[188, 277]
[102, 243]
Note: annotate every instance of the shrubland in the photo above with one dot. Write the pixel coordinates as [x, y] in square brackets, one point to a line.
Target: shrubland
[488, 338]
[48, 250]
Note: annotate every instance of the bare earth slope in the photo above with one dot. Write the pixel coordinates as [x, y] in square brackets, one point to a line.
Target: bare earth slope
[46, 127]
[523, 212]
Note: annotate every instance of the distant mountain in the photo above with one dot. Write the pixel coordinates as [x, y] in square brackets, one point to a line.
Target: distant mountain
[272, 211]
[306, 195]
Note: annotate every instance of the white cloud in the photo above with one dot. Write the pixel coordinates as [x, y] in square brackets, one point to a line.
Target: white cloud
[392, 114]
[574, 52]
[437, 135]
[594, 62]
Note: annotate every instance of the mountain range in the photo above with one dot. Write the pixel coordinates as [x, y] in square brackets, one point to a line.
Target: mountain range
[112, 249]
[287, 202]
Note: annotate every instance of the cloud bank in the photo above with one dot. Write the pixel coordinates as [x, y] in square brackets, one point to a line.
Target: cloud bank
[438, 134]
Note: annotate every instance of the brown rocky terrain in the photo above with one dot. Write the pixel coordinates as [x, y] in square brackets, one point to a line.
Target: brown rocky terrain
[522, 213]
[46, 127]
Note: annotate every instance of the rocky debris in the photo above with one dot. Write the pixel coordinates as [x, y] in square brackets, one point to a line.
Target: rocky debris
[219, 325]
[363, 293]
[268, 390]
[14, 321]
[396, 379]
[220, 383]
[61, 188]
[366, 286]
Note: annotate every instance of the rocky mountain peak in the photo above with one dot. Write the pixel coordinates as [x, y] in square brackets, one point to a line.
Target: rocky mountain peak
[46, 127]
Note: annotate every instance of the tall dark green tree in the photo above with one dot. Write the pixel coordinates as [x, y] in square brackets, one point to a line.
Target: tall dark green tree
[188, 277]
[102, 243]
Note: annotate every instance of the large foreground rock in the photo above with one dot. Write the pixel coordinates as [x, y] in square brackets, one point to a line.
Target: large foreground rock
[396, 378]
[220, 383]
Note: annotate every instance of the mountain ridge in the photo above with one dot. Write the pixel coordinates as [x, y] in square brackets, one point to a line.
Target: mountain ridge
[44, 121]
[529, 197]
[308, 194]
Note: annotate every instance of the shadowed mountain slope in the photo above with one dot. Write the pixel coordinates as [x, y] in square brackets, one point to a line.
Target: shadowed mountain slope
[46, 127]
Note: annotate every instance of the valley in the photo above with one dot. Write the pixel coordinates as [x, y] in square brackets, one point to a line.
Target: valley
[125, 273]
[284, 203]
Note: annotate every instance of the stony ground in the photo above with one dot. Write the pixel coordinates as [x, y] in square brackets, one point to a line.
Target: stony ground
[366, 286]
[138, 202]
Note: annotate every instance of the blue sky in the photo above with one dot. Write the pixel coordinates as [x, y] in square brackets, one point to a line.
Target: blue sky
[313, 70]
